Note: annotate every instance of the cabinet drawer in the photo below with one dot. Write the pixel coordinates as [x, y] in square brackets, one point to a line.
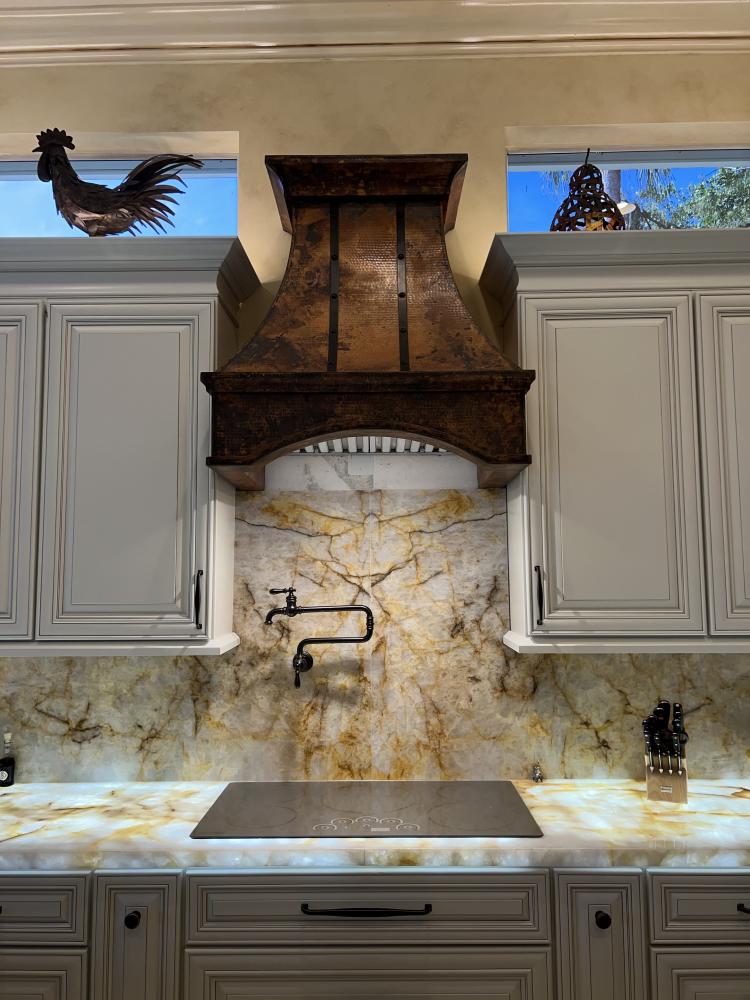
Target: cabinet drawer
[374, 973]
[40, 975]
[465, 909]
[43, 909]
[690, 908]
[706, 974]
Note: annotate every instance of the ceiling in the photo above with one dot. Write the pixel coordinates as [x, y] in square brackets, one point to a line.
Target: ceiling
[34, 32]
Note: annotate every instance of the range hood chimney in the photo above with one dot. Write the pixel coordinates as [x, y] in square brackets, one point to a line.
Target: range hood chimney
[368, 333]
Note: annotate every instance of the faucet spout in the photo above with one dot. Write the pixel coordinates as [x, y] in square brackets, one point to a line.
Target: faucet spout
[272, 614]
[302, 661]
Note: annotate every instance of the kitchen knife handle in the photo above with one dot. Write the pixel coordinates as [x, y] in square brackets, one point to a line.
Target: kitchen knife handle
[602, 920]
[741, 908]
[198, 599]
[365, 912]
[539, 595]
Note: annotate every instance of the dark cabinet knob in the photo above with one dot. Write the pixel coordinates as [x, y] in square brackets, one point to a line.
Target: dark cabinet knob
[132, 919]
[741, 908]
[602, 920]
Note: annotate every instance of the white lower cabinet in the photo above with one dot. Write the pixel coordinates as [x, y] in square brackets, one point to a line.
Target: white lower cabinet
[44, 929]
[404, 935]
[702, 974]
[700, 934]
[406, 974]
[33, 974]
[600, 936]
[136, 936]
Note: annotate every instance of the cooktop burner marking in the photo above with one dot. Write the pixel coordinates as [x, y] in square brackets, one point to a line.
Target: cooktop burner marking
[365, 824]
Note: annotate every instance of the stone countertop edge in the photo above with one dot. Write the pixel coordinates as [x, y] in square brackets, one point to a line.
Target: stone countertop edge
[586, 823]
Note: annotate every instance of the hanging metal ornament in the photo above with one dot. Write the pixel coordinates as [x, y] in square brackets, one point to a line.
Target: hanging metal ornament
[588, 206]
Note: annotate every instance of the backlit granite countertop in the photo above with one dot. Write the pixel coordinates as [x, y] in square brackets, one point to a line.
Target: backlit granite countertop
[585, 823]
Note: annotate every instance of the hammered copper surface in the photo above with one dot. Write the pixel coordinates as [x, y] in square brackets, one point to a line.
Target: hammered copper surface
[368, 296]
[442, 334]
[328, 362]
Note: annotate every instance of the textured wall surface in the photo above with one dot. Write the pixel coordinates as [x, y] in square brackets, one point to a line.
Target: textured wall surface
[435, 694]
[377, 106]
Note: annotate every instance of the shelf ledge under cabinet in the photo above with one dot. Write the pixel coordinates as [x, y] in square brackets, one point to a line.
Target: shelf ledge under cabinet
[44, 647]
[625, 644]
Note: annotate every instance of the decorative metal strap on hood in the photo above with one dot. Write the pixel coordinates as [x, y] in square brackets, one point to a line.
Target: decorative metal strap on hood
[368, 333]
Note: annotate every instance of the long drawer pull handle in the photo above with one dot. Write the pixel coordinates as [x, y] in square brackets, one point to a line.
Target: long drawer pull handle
[197, 600]
[539, 595]
[741, 908]
[366, 912]
[132, 919]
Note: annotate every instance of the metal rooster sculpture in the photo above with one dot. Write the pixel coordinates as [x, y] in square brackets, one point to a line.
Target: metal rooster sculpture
[142, 199]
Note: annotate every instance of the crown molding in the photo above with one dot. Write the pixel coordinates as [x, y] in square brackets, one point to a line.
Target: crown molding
[45, 32]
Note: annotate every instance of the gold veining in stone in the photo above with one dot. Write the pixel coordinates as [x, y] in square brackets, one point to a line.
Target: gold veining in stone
[585, 824]
[435, 694]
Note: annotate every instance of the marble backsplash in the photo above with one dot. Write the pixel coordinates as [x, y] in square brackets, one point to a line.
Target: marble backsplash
[435, 694]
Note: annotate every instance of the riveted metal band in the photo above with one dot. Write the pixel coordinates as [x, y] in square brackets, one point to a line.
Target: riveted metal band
[403, 309]
[333, 308]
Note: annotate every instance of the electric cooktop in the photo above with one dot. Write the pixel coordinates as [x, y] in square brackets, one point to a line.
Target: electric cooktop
[368, 809]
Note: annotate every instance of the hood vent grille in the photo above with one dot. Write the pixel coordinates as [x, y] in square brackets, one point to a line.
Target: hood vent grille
[368, 445]
[368, 335]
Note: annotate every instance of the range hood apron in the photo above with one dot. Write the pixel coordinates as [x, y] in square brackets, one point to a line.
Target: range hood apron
[368, 333]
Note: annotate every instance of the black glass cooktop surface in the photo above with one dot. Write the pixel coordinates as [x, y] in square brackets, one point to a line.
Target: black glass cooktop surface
[368, 809]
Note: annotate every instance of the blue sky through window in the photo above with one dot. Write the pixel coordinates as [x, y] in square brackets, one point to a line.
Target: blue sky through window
[533, 198]
[207, 206]
[533, 201]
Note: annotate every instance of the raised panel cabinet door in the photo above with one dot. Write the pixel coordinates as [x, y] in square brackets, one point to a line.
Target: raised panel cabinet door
[614, 493]
[601, 945]
[125, 490]
[725, 364]
[375, 973]
[32, 974]
[20, 369]
[707, 974]
[135, 940]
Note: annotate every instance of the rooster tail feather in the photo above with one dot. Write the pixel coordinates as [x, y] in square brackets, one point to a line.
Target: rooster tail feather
[158, 168]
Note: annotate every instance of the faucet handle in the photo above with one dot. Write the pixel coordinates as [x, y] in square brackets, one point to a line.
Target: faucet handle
[281, 590]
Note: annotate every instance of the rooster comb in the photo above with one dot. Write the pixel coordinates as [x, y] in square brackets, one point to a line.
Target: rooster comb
[53, 137]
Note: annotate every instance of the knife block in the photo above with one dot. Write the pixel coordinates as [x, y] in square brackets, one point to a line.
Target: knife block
[661, 786]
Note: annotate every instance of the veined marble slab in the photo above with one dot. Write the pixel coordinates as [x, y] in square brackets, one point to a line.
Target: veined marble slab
[595, 823]
[434, 696]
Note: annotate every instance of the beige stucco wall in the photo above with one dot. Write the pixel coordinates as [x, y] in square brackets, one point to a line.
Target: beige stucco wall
[385, 106]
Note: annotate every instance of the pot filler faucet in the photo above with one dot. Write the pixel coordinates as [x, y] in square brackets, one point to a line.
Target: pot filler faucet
[302, 661]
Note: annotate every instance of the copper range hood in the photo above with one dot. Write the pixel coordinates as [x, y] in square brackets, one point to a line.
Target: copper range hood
[368, 333]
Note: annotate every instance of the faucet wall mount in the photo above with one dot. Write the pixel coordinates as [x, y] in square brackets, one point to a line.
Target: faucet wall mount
[302, 661]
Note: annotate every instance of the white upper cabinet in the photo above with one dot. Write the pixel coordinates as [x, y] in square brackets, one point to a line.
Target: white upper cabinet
[20, 367]
[608, 546]
[135, 533]
[124, 503]
[725, 357]
[614, 479]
